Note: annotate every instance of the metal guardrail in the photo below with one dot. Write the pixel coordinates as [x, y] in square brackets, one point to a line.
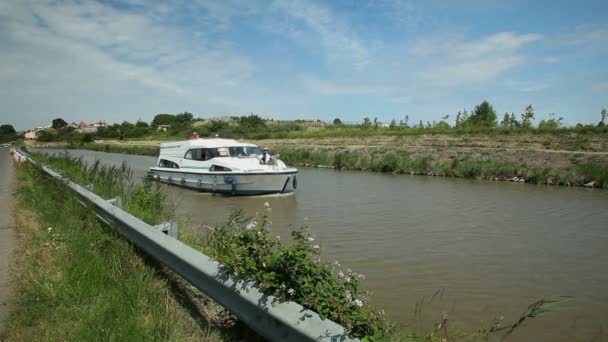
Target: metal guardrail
[274, 320]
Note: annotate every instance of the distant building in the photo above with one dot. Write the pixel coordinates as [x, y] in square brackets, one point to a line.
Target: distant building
[162, 128]
[31, 135]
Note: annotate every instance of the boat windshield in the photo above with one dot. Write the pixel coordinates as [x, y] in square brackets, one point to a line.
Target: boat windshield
[244, 151]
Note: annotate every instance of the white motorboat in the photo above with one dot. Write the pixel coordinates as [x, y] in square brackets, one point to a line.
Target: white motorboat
[223, 166]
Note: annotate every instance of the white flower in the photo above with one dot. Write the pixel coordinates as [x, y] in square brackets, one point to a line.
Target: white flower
[291, 292]
[264, 264]
[316, 247]
[358, 302]
[341, 274]
[278, 237]
[251, 225]
[49, 229]
[349, 297]
[266, 205]
[310, 238]
[347, 279]
[361, 276]
[382, 312]
[348, 270]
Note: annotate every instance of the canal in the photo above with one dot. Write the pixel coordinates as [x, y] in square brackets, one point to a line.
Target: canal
[473, 249]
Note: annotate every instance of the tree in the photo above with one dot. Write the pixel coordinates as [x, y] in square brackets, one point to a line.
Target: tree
[393, 124]
[59, 124]
[87, 138]
[163, 119]
[367, 122]
[140, 123]
[552, 123]
[483, 116]
[337, 122]
[527, 117]
[602, 123]
[184, 118]
[7, 130]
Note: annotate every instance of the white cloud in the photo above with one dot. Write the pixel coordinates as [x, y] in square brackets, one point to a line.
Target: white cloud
[329, 88]
[58, 54]
[585, 34]
[337, 38]
[454, 61]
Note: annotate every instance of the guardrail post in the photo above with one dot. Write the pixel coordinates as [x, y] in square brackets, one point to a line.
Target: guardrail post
[116, 201]
[169, 228]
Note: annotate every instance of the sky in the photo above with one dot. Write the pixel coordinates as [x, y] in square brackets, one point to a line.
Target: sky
[300, 59]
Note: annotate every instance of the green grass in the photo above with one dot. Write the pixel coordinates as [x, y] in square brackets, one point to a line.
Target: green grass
[459, 167]
[113, 148]
[79, 280]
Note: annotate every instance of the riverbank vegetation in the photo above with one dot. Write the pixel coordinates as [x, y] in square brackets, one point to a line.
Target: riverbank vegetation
[483, 119]
[577, 174]
[81, 281]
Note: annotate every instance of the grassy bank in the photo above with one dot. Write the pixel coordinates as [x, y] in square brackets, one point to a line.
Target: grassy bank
[529, 158]
[579, 174]
[113, 148]
[79, 281]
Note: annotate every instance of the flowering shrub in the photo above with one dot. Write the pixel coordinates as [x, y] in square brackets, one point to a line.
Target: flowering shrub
[295, 272]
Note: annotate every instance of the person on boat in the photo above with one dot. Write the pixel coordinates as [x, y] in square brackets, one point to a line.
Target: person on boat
[265, 156]
[194, 136]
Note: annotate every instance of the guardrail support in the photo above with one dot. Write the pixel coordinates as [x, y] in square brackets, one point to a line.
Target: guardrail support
[116, 201]
[169, 228]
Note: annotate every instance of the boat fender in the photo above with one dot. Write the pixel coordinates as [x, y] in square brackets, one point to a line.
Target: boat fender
[169, 179]
[295, 182]
[199, 183]
[157, 177]
[183, 180]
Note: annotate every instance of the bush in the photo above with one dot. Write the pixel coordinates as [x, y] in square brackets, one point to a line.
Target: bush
[295, 272]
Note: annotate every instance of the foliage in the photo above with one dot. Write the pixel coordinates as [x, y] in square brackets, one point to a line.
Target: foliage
[7, 133]
[527, 117]
[59, 124]
[163, 119]
[81, 281]
[295, 272]
[483, 115]
[337, 122]
[552, 122]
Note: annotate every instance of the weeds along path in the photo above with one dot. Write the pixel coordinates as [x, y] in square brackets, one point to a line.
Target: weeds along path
[7, 235]
[77, 280]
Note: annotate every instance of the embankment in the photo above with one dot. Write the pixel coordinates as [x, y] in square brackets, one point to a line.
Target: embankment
[79, 281]
[572, 159]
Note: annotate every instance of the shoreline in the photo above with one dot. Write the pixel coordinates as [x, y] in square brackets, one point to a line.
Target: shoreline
[474, 157]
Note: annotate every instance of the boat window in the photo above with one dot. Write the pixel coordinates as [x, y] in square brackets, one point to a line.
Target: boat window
[205, 153]
[244, 151]
[168, 164]
[219, 168]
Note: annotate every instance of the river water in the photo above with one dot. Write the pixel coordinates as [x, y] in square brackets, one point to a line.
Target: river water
[474, 249]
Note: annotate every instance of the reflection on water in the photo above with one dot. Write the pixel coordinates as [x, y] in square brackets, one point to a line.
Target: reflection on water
[493, 248]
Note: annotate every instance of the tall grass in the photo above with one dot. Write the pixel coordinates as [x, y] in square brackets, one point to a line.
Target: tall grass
[463, 167]
[79, 281]
[113, 148]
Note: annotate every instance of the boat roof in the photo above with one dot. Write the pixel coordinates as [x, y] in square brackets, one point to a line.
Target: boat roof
[204, 143]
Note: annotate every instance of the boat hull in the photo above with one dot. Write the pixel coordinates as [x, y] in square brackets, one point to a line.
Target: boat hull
[237, 184]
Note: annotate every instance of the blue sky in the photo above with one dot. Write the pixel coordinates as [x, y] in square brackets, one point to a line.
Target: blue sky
[125, 60]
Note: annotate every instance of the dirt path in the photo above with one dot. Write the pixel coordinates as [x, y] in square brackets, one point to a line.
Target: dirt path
[7, 235]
